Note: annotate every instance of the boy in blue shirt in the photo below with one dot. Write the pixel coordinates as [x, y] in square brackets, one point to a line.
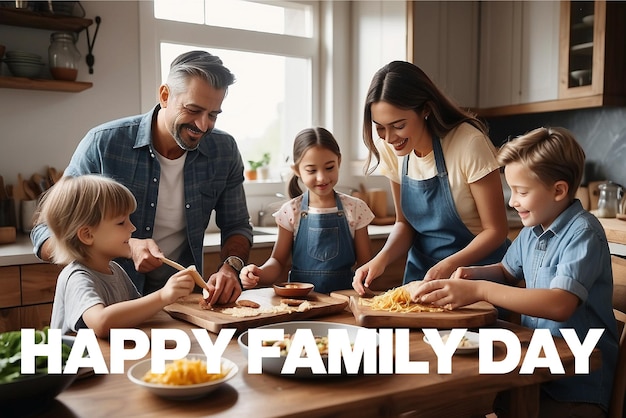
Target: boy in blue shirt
[562, 255]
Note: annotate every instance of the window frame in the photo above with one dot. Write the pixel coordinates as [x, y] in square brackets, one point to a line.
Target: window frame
[153, 31]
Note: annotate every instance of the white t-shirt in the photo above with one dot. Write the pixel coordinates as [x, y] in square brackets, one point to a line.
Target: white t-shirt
[358, 214]
[469, 156]
[169, 223]
[79, 288]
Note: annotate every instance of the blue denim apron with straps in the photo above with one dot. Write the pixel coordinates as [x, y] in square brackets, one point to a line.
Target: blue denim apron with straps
[429, 207]
[323, 251]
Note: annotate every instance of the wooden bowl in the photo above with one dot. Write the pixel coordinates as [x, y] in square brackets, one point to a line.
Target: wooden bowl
[293, 289]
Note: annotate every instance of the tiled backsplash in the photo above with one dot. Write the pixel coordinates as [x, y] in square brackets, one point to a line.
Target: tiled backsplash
[600, 131]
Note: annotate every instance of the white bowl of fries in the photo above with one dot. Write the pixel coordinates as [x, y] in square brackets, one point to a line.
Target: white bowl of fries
[183, 379]
[274, 365]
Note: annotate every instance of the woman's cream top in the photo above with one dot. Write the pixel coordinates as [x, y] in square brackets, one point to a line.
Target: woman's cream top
[469, 156]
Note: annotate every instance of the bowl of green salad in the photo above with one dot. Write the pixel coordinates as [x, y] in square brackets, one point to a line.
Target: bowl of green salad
[27, 394]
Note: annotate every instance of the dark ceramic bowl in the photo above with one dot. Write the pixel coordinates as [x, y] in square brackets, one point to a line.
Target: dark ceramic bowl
[293, 289]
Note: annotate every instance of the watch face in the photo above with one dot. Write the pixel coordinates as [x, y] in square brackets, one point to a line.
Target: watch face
[235, 262]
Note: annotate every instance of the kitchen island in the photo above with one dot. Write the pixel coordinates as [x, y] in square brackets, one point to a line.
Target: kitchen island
[265, 395]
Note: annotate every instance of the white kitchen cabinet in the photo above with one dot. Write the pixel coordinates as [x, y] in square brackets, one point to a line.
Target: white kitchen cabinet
[443, 41]
[519, 52]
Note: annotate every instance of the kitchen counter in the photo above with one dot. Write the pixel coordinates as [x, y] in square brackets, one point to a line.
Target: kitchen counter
[21, 251]
[615, 230]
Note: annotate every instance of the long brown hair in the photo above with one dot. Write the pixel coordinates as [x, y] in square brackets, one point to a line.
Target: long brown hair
[407, 87]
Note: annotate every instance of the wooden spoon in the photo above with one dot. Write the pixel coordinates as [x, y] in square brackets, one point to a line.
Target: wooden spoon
[28, 191]
[194, 273]
[3, 190]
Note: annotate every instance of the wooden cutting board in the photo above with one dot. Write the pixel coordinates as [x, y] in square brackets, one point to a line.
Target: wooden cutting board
[188, 309]
[471, 316]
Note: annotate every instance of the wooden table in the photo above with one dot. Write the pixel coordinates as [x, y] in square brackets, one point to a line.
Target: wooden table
[246, 395]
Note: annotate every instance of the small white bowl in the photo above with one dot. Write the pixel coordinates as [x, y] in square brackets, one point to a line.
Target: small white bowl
[470, 347]
[137, 372]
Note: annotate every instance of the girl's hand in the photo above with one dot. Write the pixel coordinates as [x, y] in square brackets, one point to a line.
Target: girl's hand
[365, 275]
[179, 285]
[250, 276]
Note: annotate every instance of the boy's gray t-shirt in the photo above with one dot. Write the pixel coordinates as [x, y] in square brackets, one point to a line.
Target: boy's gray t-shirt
[79, 288]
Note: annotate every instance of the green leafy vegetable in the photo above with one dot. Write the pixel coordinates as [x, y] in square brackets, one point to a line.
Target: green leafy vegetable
[11, 354]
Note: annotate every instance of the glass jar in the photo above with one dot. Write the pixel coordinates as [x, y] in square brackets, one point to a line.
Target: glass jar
[610, 197]
[63, 57]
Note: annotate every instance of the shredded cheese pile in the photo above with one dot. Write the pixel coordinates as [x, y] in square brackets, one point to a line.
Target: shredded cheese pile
[396, 300]
[184, 372]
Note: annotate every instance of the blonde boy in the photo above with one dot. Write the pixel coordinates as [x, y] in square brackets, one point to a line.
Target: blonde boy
[89, 219]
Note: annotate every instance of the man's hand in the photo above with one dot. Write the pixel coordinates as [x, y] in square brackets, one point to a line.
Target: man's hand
[145, 254]
[224, 286]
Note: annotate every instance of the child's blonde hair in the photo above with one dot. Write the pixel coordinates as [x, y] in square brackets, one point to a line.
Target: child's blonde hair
[550, 154]
[75, 202]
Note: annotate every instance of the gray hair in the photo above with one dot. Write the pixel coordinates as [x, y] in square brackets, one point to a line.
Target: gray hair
[199, 64]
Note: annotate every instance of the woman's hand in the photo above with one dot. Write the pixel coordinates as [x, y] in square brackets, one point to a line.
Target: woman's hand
[365, 275]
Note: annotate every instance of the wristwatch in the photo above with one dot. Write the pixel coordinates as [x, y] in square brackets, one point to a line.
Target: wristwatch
[235, 262]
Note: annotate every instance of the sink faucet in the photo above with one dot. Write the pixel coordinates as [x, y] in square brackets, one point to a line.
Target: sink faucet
[262, 213]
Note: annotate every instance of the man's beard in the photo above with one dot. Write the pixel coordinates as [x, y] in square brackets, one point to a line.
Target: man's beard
[182, 143]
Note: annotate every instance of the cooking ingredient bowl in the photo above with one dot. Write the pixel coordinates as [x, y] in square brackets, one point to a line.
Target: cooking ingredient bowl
[274, 365]
[293, 289]
[181, 392]
[31, 394]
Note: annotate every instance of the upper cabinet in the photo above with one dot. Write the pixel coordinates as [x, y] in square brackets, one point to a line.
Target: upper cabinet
[542, 56]
[519, 52]
[443, 41]
[593, 55]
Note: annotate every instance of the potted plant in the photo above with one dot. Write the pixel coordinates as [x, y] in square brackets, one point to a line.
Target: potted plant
[256, 166]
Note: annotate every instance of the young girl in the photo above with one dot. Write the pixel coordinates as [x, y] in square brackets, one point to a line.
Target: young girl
[89, 219]
[323, 231]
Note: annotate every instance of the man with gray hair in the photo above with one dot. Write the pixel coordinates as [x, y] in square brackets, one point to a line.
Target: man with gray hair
[180, 170]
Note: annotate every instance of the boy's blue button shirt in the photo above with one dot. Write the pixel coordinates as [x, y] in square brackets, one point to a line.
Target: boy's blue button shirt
[213, 173]
[573, 255]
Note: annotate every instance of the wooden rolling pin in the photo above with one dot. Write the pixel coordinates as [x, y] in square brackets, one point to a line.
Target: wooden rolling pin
[194, 273]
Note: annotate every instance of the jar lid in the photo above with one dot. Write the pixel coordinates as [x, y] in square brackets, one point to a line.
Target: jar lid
[69, 36]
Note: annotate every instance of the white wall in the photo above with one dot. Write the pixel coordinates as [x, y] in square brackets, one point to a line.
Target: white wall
[41, 128]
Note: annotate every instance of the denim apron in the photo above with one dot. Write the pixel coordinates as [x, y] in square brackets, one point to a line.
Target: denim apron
[429, 208]
[323, 250]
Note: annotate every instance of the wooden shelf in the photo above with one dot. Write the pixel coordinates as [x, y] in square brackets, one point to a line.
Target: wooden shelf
[47, 21]
[41, 84]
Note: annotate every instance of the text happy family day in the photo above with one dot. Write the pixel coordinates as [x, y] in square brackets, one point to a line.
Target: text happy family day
[370, 352]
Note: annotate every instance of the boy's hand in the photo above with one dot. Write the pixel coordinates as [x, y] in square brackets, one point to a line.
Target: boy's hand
[446, 293]
[179, 285]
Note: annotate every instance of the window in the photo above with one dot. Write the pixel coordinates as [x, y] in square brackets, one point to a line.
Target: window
[271, 47]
